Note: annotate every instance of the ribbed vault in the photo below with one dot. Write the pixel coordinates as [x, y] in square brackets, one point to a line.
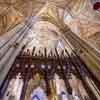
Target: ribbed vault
[84, 20]
[15, 11]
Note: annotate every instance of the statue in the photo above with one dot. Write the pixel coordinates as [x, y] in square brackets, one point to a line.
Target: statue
[14, 89]
[60, 88]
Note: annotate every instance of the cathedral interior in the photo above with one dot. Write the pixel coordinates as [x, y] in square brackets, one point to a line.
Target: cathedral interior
[49, 49]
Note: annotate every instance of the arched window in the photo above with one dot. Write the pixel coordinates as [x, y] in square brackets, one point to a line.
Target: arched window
[35, 89]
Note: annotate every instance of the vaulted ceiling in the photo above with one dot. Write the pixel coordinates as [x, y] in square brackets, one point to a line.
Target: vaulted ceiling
[79, 15]
[13, 12]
